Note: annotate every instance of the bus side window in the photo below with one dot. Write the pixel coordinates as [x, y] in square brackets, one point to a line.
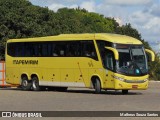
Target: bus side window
[70, 50]
[44, 49]
[19, 50]
[110, 62]
[77, 48]
[29, 51]
[54, 52]
[73, 49]
[11, 49]
[59, 49]
[36, 50]
[101, 46]
[88, 49]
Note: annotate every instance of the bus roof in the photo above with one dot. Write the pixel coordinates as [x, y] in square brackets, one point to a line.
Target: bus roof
[114, 38]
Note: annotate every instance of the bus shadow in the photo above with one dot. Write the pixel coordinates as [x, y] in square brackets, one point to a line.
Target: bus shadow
[103, 92]
[108, 92]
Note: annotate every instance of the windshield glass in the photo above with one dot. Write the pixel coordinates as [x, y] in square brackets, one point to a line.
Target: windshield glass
[132, 60]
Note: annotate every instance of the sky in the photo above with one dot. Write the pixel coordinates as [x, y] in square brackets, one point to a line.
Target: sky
[144, 15]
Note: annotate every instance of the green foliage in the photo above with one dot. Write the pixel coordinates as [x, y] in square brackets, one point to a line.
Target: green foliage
[81, 21]
[19, 19]
[128, 30]
[155, 69]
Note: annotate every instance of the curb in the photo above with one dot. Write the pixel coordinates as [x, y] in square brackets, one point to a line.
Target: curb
[155, 81]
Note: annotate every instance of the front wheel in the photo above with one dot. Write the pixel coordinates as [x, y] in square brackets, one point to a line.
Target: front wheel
[97, 86]
[35, 84]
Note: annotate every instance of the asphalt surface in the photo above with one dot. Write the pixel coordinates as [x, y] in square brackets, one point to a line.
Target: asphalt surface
[78, 99]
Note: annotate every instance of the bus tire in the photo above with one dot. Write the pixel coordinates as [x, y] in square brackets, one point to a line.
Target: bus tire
[97, 86]
[35, 84]
[26, 84]
[124, 92]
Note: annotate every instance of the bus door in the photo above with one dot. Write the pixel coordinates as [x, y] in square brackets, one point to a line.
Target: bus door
[110, 65]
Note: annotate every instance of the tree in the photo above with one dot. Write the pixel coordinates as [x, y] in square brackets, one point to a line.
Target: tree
[19, 19]
[128, 30]
[155, 69]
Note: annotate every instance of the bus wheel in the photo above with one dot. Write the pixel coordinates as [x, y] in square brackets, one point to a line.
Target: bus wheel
[124, 92]
[35, 84]
[97, 86]
[26, 84]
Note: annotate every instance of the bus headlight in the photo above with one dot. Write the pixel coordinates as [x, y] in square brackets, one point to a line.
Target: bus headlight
[129, 81]
[119, 78]
[145, 79]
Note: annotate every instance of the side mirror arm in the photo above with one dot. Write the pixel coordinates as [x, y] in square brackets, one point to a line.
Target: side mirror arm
[116, 54]
[151, 53]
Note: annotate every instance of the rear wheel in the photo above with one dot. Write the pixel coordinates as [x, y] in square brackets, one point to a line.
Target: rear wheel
[124, 92]
[97, 86]
[26, 84]
[35, 84]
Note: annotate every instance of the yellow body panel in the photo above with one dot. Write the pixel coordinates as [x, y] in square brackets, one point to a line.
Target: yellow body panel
[116, 54]
[151, 53]
[71, 71]
[141, 82]
[114, 38]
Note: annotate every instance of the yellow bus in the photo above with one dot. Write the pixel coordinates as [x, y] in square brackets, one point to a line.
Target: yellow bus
[99, 61]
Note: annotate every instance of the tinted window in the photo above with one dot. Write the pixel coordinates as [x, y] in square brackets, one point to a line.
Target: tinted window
[109, 61]
[88, 49]
[53, 49]
[74, 48]
[101, 46]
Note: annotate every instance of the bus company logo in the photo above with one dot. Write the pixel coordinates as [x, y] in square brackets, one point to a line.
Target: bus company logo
[26, 62]
[6, 114]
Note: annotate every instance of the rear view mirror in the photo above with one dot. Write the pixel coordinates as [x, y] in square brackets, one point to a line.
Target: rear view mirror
[116, 54]
[150, 55]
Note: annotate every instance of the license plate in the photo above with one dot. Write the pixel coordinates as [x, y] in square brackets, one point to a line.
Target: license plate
[135, 86]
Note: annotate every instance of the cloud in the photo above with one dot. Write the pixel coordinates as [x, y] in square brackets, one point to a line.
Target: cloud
[88, 5]
[146, 21]
[154, 10]
[155, 46]
[48, 2]
[153, 24]
[143, 15]
[140, 18]
[56, 6]
[119, 21]
[128, 2]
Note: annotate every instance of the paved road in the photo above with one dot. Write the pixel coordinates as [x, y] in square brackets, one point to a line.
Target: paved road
[81, 100]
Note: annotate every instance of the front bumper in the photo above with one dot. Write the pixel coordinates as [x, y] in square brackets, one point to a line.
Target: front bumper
[120, 85]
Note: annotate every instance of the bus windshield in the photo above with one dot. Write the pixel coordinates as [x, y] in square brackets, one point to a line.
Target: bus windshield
[132, 60]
